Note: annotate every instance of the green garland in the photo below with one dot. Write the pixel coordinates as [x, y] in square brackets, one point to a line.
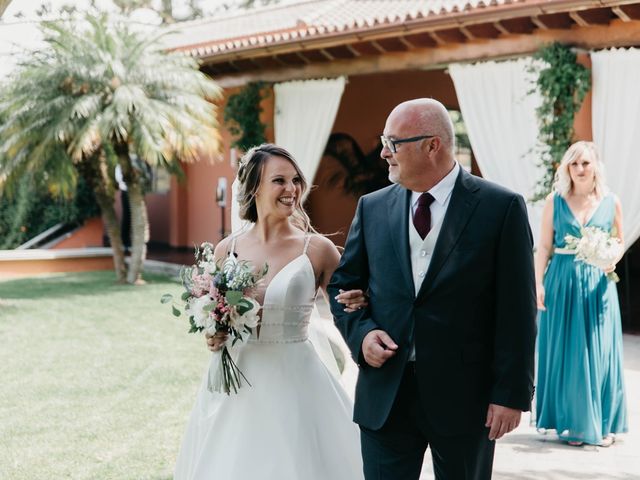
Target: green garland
[563, 84]
[242, 116]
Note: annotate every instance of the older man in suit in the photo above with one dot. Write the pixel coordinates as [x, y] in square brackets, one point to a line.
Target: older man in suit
[446, 345]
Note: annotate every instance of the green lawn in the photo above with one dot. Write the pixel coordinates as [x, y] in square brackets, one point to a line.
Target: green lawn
[97, 379]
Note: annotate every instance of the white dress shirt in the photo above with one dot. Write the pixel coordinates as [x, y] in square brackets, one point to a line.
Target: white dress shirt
[422, 250]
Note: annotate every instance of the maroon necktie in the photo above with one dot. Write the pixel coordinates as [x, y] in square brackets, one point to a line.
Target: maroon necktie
[422, 215]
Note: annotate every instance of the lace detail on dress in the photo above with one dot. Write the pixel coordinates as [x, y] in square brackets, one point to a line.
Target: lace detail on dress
[291, 308]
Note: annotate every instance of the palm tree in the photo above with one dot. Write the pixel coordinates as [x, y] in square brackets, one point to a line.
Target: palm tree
[97, 95]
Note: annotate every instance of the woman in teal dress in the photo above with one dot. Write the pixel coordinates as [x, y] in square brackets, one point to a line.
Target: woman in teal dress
[580, 386]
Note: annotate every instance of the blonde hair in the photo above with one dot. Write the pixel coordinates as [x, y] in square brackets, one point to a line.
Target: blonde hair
[250, 170]
[563, 183]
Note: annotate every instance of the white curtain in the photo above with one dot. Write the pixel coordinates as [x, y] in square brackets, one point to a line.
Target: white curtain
[499, 113]
[304, 115]
[616, 128]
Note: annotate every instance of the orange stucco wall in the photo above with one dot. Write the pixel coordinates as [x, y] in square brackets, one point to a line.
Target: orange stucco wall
[582, 120]
[158, 206]
[88, 235]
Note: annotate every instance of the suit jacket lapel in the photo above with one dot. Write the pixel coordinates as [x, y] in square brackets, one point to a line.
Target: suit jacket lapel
[461, 206]
[398, 215]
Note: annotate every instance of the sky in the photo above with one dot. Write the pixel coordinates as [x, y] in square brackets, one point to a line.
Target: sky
[29, 7]
[17, 34]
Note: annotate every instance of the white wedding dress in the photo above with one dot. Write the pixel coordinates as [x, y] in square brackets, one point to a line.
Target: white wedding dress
[295, 420]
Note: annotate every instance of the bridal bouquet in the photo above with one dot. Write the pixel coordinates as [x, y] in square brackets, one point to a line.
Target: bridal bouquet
[596, 247]
[218, 298]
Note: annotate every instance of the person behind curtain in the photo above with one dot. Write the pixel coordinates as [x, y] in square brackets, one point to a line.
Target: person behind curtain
[580, 388]
[294, 421]
[446, 344]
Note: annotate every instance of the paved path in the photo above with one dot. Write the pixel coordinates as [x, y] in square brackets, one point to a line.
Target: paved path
[527, 455]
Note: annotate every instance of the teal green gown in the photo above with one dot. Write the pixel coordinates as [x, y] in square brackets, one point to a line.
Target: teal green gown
[580, 386]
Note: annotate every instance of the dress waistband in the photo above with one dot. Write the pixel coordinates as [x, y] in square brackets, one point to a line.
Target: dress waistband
[564, 251]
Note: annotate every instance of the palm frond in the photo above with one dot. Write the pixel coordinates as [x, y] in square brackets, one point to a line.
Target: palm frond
[95, 86]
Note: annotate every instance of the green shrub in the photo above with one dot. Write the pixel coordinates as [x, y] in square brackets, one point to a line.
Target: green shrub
[30, 212]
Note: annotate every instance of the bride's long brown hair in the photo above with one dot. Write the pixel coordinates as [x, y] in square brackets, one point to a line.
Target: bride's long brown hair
[250, 175]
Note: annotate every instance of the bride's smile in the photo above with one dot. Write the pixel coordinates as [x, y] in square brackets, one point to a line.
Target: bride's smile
[280, 188]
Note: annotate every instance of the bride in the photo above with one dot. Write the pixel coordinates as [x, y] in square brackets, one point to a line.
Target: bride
[294, 421]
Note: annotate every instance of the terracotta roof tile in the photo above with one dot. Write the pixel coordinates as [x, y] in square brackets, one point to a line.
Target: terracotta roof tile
[285, 22]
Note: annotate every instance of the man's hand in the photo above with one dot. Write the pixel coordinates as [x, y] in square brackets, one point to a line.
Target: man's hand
[378, 347]
[501, 420]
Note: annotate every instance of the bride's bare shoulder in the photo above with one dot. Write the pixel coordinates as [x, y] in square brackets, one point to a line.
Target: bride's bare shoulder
[222, 247]
[321, 243]
[323, 250]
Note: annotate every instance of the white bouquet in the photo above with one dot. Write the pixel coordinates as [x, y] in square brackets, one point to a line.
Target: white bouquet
[219, 296]
[595, 247]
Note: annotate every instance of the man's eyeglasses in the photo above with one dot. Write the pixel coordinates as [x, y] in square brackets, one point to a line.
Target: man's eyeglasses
[391, 143]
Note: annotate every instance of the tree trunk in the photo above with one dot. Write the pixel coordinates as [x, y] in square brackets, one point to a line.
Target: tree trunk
[110, 220]
[139, 233]
[134, 179]
[95, 171]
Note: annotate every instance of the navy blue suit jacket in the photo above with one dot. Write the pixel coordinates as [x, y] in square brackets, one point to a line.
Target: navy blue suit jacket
[474, 319]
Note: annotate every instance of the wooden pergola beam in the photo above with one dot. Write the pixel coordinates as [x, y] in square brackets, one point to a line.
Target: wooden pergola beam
[406, 42]
[377, 46]
[233, 65]
[575, 16]
[353, 50]
[616, 34]
[538, 23]
[621, 14]
[327, 55]
[436, 38]
[301, 56]
[465, 31]
[501, 28]
[280, 61]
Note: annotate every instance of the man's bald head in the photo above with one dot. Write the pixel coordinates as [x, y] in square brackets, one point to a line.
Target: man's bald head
[421, 150]
[431, 117]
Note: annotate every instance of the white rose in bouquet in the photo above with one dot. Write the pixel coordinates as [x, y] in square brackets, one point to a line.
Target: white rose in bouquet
[595, 247]
[196, 307]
